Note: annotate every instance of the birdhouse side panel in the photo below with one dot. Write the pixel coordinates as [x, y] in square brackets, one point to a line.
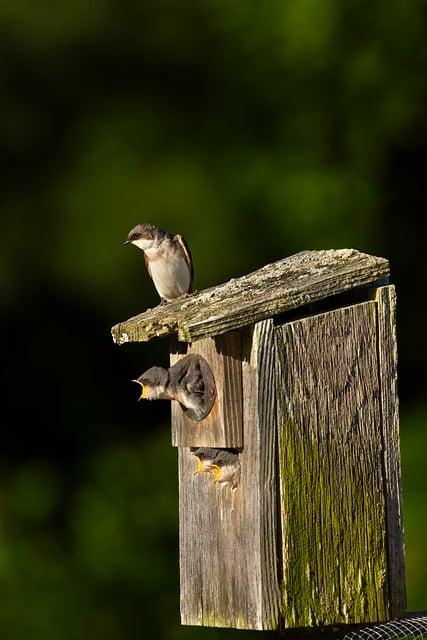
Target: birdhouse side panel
[333, 505]
[387, 354]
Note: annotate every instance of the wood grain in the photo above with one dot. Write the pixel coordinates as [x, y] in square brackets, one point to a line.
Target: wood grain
[222, 427]
[289, 283]
[332, 492]
[228, 538]
[387, 353]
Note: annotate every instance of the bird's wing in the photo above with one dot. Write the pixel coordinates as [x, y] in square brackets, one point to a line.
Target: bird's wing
[178, 371]
[187, 376]
[193, 379]
[147, 264]
[185, 250]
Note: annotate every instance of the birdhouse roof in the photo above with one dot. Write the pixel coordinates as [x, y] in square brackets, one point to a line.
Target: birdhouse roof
[290, 283]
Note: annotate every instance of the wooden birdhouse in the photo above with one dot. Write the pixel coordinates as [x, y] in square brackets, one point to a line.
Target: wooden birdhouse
[300, 370]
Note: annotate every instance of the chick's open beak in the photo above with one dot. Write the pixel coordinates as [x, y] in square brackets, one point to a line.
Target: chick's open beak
[143, 390]
[216, 471]
[199, 468]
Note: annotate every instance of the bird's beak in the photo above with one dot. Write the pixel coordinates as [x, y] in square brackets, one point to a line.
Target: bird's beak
[199, 468]
[216, 471]
[126, 242]
[143, 390]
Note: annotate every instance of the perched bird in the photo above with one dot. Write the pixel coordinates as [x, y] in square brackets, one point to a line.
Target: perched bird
[225, 467]
[167, 258]
[182, 382]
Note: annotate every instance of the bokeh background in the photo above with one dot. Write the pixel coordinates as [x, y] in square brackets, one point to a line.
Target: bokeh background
[254, 129]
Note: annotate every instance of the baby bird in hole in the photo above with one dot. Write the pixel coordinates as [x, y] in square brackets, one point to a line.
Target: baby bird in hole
[167, 258]
[205, 457]
[223, 463]
[182, 382]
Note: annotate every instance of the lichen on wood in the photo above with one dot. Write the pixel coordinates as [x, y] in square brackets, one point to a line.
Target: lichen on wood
[333, 498]
[292, 282]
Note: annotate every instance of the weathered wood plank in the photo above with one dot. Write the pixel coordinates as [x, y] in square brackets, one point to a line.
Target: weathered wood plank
[228, 537]
[386, 301]
[260, 453]
[332, 491]
[289, 283]
[222, 427]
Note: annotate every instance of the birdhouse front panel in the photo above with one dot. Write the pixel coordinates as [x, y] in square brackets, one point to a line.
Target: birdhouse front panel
[333, 504]
[222, 427]
[228, 530]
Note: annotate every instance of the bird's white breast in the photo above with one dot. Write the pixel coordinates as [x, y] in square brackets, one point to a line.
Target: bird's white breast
[170, 272]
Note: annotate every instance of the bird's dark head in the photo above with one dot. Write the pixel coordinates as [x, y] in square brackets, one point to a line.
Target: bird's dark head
[154, 383]
[225, 466]
[205, 453]
[144, 236]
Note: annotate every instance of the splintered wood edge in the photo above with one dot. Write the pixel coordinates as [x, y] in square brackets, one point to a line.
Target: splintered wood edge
[387, 353]
[300, 279]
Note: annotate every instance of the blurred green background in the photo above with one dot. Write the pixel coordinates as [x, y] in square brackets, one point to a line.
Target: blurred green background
[254, 129]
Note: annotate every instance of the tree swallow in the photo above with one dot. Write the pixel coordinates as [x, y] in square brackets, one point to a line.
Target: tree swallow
[205, 457]
[167, 258]
[183, 382]
[225, 467]
[223, 463]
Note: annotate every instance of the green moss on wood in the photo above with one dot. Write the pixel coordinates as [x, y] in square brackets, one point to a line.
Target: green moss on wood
[336, 564]
[332, 491]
